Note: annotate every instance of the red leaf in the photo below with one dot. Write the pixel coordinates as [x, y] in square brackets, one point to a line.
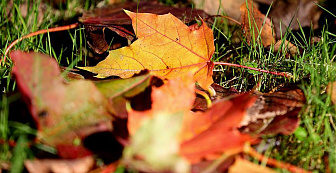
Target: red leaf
[217, 125]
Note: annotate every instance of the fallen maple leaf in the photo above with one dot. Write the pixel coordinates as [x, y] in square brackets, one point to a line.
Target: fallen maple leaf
[166, 47]
[214, 127]
[197, 130]
[256, 26]
[113, 17]
[62, 112]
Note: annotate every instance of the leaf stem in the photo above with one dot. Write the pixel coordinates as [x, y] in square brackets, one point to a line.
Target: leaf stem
[60, 28]
[287, 75]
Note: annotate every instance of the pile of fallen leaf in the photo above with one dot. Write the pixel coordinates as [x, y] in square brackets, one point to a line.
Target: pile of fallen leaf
[164, 114]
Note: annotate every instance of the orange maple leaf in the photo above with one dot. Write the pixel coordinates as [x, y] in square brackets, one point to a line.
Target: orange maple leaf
[166, 47]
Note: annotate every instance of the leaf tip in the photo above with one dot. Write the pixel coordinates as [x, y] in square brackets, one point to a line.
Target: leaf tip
[129, 13]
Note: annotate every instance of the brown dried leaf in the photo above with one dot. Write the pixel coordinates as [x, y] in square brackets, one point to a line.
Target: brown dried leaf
[275, 112]
[256, 27]
[331, 89]
[304, 11]
[228, 7]
[285, 47]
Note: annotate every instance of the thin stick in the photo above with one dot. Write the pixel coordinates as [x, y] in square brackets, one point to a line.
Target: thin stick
[43, 31]
[256, 69]
[272, 162]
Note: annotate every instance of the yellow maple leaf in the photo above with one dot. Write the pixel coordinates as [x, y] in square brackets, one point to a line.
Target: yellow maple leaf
[166, 47]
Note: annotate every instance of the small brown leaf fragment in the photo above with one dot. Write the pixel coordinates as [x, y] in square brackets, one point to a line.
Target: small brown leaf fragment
[256, 26]
[331, 89]
[242, 165]
[285, 47]
[80, 165]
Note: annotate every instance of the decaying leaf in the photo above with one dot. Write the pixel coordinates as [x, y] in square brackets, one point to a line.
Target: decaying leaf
[242, 165]
[80, 165]
[274, 113]
[63, 112]
[166, 47]
[113, 18]
[256, 26]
